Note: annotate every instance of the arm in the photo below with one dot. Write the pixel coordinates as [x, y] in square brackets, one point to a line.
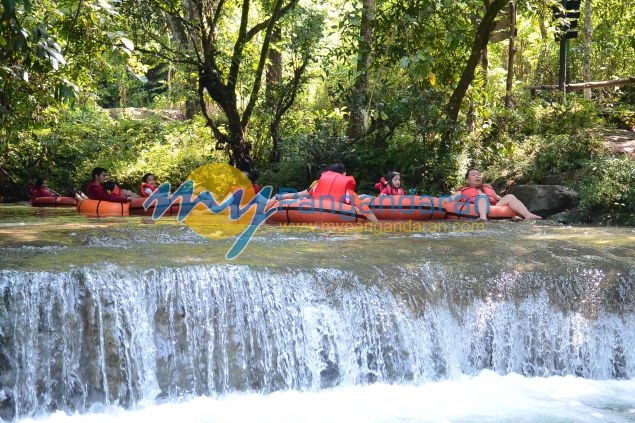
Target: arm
[363, 207]
[96, 192]
[291, 195]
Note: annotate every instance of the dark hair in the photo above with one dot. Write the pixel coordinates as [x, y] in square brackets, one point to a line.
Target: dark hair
[98, 171]
[109, 185]
[391, 175]
[337, 167]
[39, 181]
[146, 176]
[467, 174]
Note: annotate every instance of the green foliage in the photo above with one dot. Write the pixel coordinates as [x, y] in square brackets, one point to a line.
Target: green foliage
[307, 154]
[607, 189]
[67, 152]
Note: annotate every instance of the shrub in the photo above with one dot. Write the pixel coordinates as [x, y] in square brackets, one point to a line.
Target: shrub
[607, 189]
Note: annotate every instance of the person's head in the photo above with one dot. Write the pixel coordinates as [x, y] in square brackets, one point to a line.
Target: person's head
[473, 177]
[109, 185]
[149, 178]
[41, 182]
[337, 167]
[100, 175]
[393, 179]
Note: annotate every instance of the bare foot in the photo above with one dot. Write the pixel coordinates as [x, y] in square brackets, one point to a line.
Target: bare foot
[481, 219]
[516, 219]
[532, 216]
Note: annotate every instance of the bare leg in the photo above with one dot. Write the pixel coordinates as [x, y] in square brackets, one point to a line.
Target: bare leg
[482, 206]
[516, 205]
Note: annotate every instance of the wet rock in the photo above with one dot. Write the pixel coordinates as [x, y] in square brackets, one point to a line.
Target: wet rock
[546, 200]
[7, 406]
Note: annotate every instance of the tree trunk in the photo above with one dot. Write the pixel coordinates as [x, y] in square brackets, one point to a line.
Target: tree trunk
[273, 78]
[512, 51]
[359, 104]
[480, 42]
[588, 32]
[178, 32]
[274, 68]
[191, 102]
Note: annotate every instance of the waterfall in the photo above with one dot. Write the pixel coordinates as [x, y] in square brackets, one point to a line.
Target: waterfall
[86, 338]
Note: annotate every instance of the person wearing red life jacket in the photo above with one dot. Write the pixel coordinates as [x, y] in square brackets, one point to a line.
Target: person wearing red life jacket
[476, 192]
[379, 186]
[96, 191]
[336, 184]
[393, 184]
[41, 189]
[148, 185]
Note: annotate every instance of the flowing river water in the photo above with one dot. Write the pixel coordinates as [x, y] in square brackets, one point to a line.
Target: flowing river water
[130, 319]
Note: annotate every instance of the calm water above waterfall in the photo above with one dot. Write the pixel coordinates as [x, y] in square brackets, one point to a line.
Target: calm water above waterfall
[139, 320]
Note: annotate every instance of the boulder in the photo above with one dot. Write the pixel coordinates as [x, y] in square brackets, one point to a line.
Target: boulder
[546, 200]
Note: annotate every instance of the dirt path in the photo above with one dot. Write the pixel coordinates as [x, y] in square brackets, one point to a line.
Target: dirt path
[619, 141]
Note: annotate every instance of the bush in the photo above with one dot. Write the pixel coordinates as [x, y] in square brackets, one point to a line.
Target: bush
[607, 190]
[67, 152]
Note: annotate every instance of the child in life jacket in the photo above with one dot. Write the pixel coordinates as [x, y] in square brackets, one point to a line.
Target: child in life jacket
[148, 186]
[41, 189]
[393, 184]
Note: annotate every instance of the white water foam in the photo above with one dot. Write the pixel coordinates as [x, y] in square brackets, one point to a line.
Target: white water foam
[487, 397]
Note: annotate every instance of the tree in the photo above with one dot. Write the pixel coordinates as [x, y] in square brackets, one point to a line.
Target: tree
[478, 46]
[359, 107]
[218, 52]
[285, 78]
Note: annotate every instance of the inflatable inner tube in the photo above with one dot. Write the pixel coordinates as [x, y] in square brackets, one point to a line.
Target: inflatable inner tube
[54, 202]
[459, 210]
[100, 208]
[406, 207]
[314, 210]
[136, 208]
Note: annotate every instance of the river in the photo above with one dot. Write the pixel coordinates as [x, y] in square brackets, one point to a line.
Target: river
[129, 319]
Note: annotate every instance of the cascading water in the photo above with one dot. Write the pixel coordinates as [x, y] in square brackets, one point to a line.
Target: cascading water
[123, 320]
[85, 338]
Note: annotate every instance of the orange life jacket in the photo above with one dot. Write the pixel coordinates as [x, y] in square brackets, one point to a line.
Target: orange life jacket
[471, 193]
[333, 184]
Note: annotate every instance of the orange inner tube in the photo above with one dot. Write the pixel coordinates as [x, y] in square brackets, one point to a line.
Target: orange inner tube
[315, 210]
[136, 208]
[100, 208]
[406, 207]
[458, 210]
[54, 202]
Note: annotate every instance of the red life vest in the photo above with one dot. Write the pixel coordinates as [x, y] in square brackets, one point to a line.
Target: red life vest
[390, 190]
[379, 186]
[333, 184]
[471, 193]
[144, 186]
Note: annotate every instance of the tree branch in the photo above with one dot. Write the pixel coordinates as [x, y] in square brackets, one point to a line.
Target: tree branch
[480, 42]
[264, 50]
[237, 57]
